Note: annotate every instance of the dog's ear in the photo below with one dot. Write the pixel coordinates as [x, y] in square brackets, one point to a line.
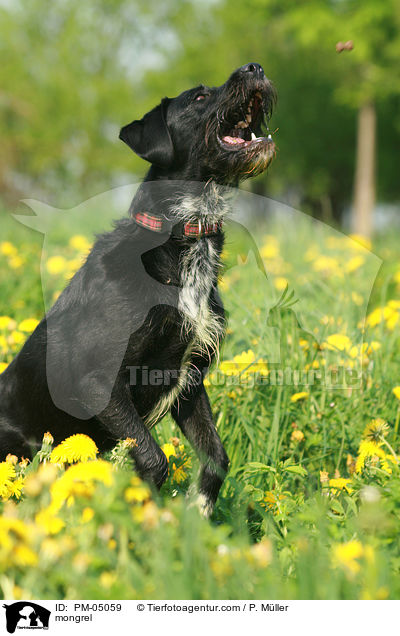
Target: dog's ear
[149, 137]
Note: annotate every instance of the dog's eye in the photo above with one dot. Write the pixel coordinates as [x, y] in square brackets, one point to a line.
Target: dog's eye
[200, 98]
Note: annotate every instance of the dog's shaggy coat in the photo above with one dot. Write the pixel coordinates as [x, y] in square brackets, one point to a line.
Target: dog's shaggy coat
[145, 304]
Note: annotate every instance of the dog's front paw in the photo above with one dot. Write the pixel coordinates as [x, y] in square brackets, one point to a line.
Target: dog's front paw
[201, 502]
[205, 505]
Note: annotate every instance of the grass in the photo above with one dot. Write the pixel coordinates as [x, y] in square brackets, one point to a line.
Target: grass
[304, 403]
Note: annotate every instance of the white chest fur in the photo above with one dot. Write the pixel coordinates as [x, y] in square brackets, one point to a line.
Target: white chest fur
[198, 272]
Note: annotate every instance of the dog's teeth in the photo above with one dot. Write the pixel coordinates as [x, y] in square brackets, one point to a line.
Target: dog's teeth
[248, 119]
[253, 137]
[241, 124]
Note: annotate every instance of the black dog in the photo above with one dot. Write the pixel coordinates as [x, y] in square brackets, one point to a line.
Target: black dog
[135, 331]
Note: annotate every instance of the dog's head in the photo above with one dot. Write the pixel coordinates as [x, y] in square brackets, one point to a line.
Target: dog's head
[209, 133]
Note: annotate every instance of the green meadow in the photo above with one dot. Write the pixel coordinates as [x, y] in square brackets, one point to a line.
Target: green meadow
[306, 397]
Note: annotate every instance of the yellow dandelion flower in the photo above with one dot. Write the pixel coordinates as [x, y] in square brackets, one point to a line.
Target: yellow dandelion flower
[72, 267]
[354, 352]
[302, 395]
[388, 314]
[270, 250]
[260, 367]
[56, 265]
[392, 321]
[168, 450]
[396, 391]
[15, 262]
[8, 249]
[179, 475]
[227, 367]
[24, 556]
[107, 579]
[363, 241]
[7, 474]
[353, 264]
[397, 277]
[74, 449]
[297, 435]
[49, 522]
[28, 325]
[281, 283]
[78, 480]
[87, 515]
[371, 450]
[15, 489]
[338, 341]
[375, 317]
[137, 492]
[7, 323]
[373, 346]
[271, 501]
[16, 338]
[340, 483]
[79, 243]
[11, 528]
[326, 264]
[3, 366]
[346, 555]
[98, 470]
[244, 364]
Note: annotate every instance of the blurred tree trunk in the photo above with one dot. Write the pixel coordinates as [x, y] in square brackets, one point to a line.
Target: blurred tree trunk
[364, 185]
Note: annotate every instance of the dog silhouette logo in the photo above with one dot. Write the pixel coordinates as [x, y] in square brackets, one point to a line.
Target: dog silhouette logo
[26, 615]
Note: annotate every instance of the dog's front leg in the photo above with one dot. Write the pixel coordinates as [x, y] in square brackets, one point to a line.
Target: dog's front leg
[192, 413]
[121, 420]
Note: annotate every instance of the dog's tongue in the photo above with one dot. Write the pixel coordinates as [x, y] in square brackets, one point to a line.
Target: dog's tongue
[233, 140]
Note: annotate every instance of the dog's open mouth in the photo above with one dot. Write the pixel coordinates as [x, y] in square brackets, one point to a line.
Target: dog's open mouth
[247, 130]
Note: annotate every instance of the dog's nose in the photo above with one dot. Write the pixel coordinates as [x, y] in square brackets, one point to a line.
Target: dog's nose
[255, 69]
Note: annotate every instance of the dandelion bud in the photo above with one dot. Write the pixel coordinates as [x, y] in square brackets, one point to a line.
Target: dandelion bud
[48, 438]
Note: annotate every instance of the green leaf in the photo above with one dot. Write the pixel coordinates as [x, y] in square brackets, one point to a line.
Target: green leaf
[256, 467]
[297, 470]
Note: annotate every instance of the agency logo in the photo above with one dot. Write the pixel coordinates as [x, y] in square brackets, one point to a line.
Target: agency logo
[26, 615]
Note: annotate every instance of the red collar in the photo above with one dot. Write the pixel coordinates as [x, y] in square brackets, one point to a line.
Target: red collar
[196, 230]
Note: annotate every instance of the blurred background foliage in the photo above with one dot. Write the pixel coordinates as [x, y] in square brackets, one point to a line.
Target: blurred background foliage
[72, 73]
